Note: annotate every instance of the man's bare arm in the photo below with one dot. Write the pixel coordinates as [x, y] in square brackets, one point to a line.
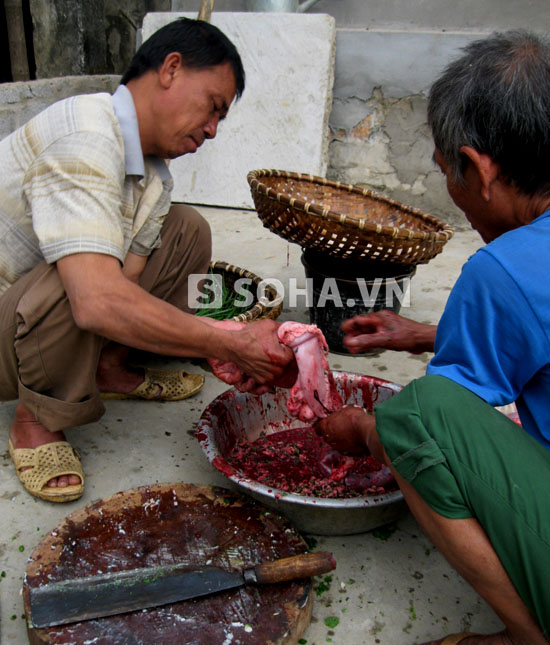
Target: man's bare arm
[107, 303]
[133, 266]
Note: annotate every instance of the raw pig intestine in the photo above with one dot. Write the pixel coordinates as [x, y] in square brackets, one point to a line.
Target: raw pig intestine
[314, 395]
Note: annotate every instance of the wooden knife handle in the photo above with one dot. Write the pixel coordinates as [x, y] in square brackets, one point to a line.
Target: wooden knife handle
[295, 568]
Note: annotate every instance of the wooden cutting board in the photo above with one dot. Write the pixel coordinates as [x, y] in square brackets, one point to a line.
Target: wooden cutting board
[161, 525]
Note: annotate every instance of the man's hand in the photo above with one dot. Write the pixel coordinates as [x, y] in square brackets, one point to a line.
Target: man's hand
[386, 330]
[259, 354]
[260, 360]
[347, 430]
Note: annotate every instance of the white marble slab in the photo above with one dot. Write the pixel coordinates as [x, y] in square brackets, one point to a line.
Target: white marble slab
[281, 121]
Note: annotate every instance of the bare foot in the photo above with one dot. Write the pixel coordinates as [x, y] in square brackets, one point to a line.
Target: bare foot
[112, 373]
[27, 432]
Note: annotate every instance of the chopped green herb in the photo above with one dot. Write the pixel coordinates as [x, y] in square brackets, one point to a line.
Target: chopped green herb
[332, 621]
[412, 611]
[351, 581]
[302, 641]
[323, 586]
[14, 617]
[311, 542]
[21, 548]
[3, 574]
[384, 532]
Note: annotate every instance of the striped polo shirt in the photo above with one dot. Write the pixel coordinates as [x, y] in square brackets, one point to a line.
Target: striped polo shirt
[73, 179]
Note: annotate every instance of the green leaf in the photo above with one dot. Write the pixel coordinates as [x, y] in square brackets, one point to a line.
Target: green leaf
[384, 532]
[311, 542]
[332, 621]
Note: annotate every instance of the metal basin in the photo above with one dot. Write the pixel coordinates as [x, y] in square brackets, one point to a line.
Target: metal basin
[233, 416]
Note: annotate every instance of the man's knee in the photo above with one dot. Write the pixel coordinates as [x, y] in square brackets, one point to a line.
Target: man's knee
[188, 223]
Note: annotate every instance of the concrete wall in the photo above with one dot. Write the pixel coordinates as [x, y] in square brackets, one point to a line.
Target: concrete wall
[91, 37]
[22, 100]
[388, 52]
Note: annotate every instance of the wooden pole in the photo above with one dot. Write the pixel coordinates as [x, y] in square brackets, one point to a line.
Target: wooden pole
[206, 10]
[17, 42]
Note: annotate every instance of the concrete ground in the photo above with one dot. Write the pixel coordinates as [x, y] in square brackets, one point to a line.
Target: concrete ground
[390, 587]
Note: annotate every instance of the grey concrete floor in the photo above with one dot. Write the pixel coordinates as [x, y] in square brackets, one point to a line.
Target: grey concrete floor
[389, 587]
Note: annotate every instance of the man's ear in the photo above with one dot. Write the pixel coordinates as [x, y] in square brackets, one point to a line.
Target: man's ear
[486, 169]
[169, 68]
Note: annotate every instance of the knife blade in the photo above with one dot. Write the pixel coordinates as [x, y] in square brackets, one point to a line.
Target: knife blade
[78, 599]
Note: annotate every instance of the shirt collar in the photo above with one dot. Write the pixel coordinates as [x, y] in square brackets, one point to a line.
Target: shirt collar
[125, 112]
[161, 168]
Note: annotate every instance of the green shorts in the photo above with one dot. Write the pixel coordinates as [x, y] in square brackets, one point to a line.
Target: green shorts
[466, 459]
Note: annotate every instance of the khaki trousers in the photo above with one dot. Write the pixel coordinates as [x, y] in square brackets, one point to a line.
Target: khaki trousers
[47, 362]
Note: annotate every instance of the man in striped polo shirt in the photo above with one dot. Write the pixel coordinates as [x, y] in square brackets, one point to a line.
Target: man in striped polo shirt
[94, 260]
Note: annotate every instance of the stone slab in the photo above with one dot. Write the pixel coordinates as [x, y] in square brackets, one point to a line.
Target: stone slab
[281, 121]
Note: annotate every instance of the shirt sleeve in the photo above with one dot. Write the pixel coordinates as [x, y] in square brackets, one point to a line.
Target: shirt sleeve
[74, 192]
[156, 203]
[489, 339]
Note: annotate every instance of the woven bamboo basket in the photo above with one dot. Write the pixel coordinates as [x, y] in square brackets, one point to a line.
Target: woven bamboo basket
[267, 306]
[345, 221]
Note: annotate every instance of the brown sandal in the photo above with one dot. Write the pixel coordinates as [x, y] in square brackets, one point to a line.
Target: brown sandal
[162, 385]
[44, 463]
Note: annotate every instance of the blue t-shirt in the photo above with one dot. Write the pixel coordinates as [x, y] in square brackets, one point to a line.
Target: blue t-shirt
[493, 337]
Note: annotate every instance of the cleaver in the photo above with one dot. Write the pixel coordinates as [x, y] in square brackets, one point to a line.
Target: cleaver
[69, 601]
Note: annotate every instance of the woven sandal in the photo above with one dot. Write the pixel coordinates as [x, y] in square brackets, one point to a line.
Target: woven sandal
[44, 463]
[162, 385]
[453, 639]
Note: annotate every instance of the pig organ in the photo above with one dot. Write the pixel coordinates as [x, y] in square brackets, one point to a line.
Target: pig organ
[314, 395]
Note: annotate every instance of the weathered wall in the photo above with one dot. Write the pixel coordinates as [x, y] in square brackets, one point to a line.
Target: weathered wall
[91, 37]
[379, 134]
[388, 52]
[21, 101]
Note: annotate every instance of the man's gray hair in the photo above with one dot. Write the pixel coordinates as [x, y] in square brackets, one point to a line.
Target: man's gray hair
[496, 99]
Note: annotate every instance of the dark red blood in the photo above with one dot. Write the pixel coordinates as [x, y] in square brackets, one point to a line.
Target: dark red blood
[223, 466]
[289, 376]
[300, 461]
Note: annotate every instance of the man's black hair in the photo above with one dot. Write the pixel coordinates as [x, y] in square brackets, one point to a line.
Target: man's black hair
[200, 44]
[496, 99]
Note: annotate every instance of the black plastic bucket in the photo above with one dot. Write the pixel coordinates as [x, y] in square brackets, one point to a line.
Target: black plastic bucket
[342, 289]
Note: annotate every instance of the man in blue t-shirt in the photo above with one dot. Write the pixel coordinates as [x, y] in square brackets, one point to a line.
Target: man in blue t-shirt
[474, 479]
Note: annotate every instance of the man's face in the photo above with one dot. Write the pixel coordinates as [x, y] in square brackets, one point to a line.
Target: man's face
[467, 197]
[190, 108]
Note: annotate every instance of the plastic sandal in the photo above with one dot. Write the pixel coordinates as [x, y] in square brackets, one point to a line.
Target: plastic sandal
[44, 463]
[162, 385]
